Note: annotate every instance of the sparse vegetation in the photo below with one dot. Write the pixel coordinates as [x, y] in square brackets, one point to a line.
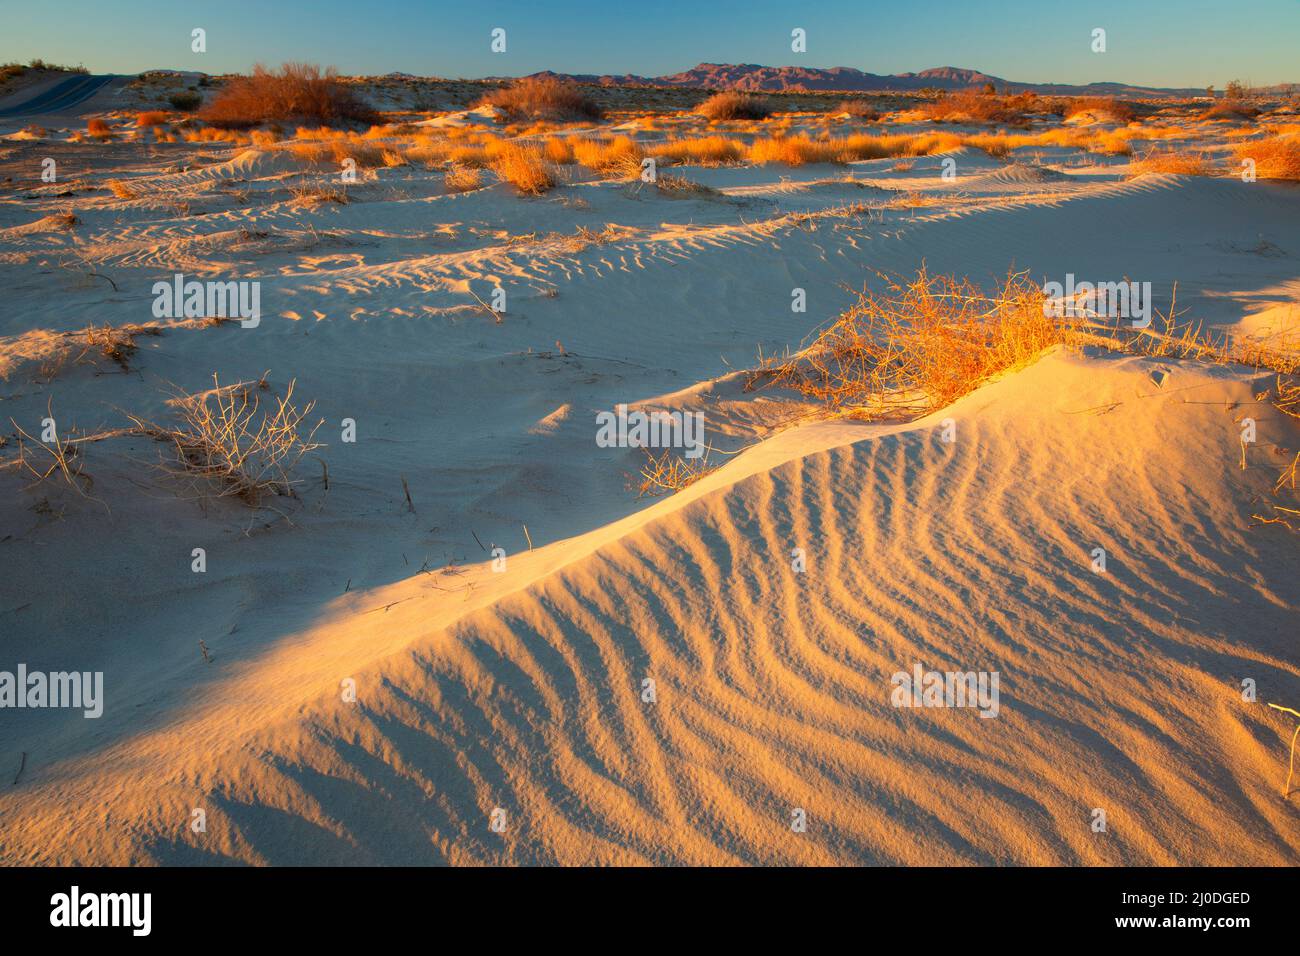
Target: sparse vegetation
[230, 443]
[1277, 157]
[1181, 164]
[297, 92]
[920, 345]
[543, 98]
[524, 166]
[186, 101]
[732, 105]
[462, 179]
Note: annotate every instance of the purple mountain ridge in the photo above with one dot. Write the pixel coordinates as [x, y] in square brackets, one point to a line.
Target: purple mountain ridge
[751, 77]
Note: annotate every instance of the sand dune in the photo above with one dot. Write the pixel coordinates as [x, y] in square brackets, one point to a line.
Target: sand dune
[521, 690]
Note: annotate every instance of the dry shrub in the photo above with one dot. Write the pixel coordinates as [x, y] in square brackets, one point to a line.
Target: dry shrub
[122, 190]
[462, 179]
[296, 92]
[559, 150]
[796, 150]
[970, 106]
[99, 129]
[733, 105]
[543, 98]
[1231, 110]
[860, 109]
[921, 345]
[230, 443]
[704, 151]
[679, 187]
[315, 194]
[475, 157]
[524, 166]
[617, 157]
[668, 473]
[1181, 164]
[1102, 106]
[150, 118]
[1275, 158]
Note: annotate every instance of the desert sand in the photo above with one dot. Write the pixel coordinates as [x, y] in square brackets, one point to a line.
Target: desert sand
[500, 714]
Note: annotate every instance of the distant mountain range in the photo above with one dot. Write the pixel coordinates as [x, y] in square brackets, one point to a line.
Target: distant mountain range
[792, 79]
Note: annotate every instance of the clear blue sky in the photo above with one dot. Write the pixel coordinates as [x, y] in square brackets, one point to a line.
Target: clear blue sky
[1153, 42]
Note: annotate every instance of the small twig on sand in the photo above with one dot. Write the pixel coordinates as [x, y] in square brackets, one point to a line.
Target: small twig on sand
[21, 766]
[480, 543]
[528, 536]
[407, 490]
[1286, 789]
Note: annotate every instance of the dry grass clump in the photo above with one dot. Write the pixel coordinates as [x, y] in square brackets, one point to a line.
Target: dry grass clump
[1231, 110]
[524, 166]
[462, 179]
[543, 98]
[315, 194]
[122, 190]
[619, 157]
[860, 109]
[669, 474]
[231, 444]
[796, 150]
[1277, 157]
[679, 187]
[150, 118]
[733, 105]
[296, 92]
[701, 151]
[559, 151]
[1101, 106]
[970, 106]
[98, 129]
[920, 345]
[1165, 161]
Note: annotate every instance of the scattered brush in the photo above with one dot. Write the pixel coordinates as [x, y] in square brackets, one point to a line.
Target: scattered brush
[229, 443]
[297, 92]
[1277, 157]
[679, 187]
[1286, 399]
[704, 151]
[317, 194]
[1232, 111]
[1181, 164]
[617, 158]
[150, 118]
[559, 151]
[920, 345]
[733, 105]
[462, 179]
[861, 110]
[98, 129]
[1101, 107]
[669, 474]
[970, 106]
[116, 344]
[543, 98]
[524, 166]
[122, 190]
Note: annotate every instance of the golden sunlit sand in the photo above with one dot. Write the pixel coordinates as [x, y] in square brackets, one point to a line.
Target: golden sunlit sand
[448, 625]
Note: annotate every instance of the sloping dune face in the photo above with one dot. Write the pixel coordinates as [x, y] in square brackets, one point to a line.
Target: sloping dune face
[526, 731]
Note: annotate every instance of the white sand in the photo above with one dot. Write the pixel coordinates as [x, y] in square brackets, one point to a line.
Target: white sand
[522, 690]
